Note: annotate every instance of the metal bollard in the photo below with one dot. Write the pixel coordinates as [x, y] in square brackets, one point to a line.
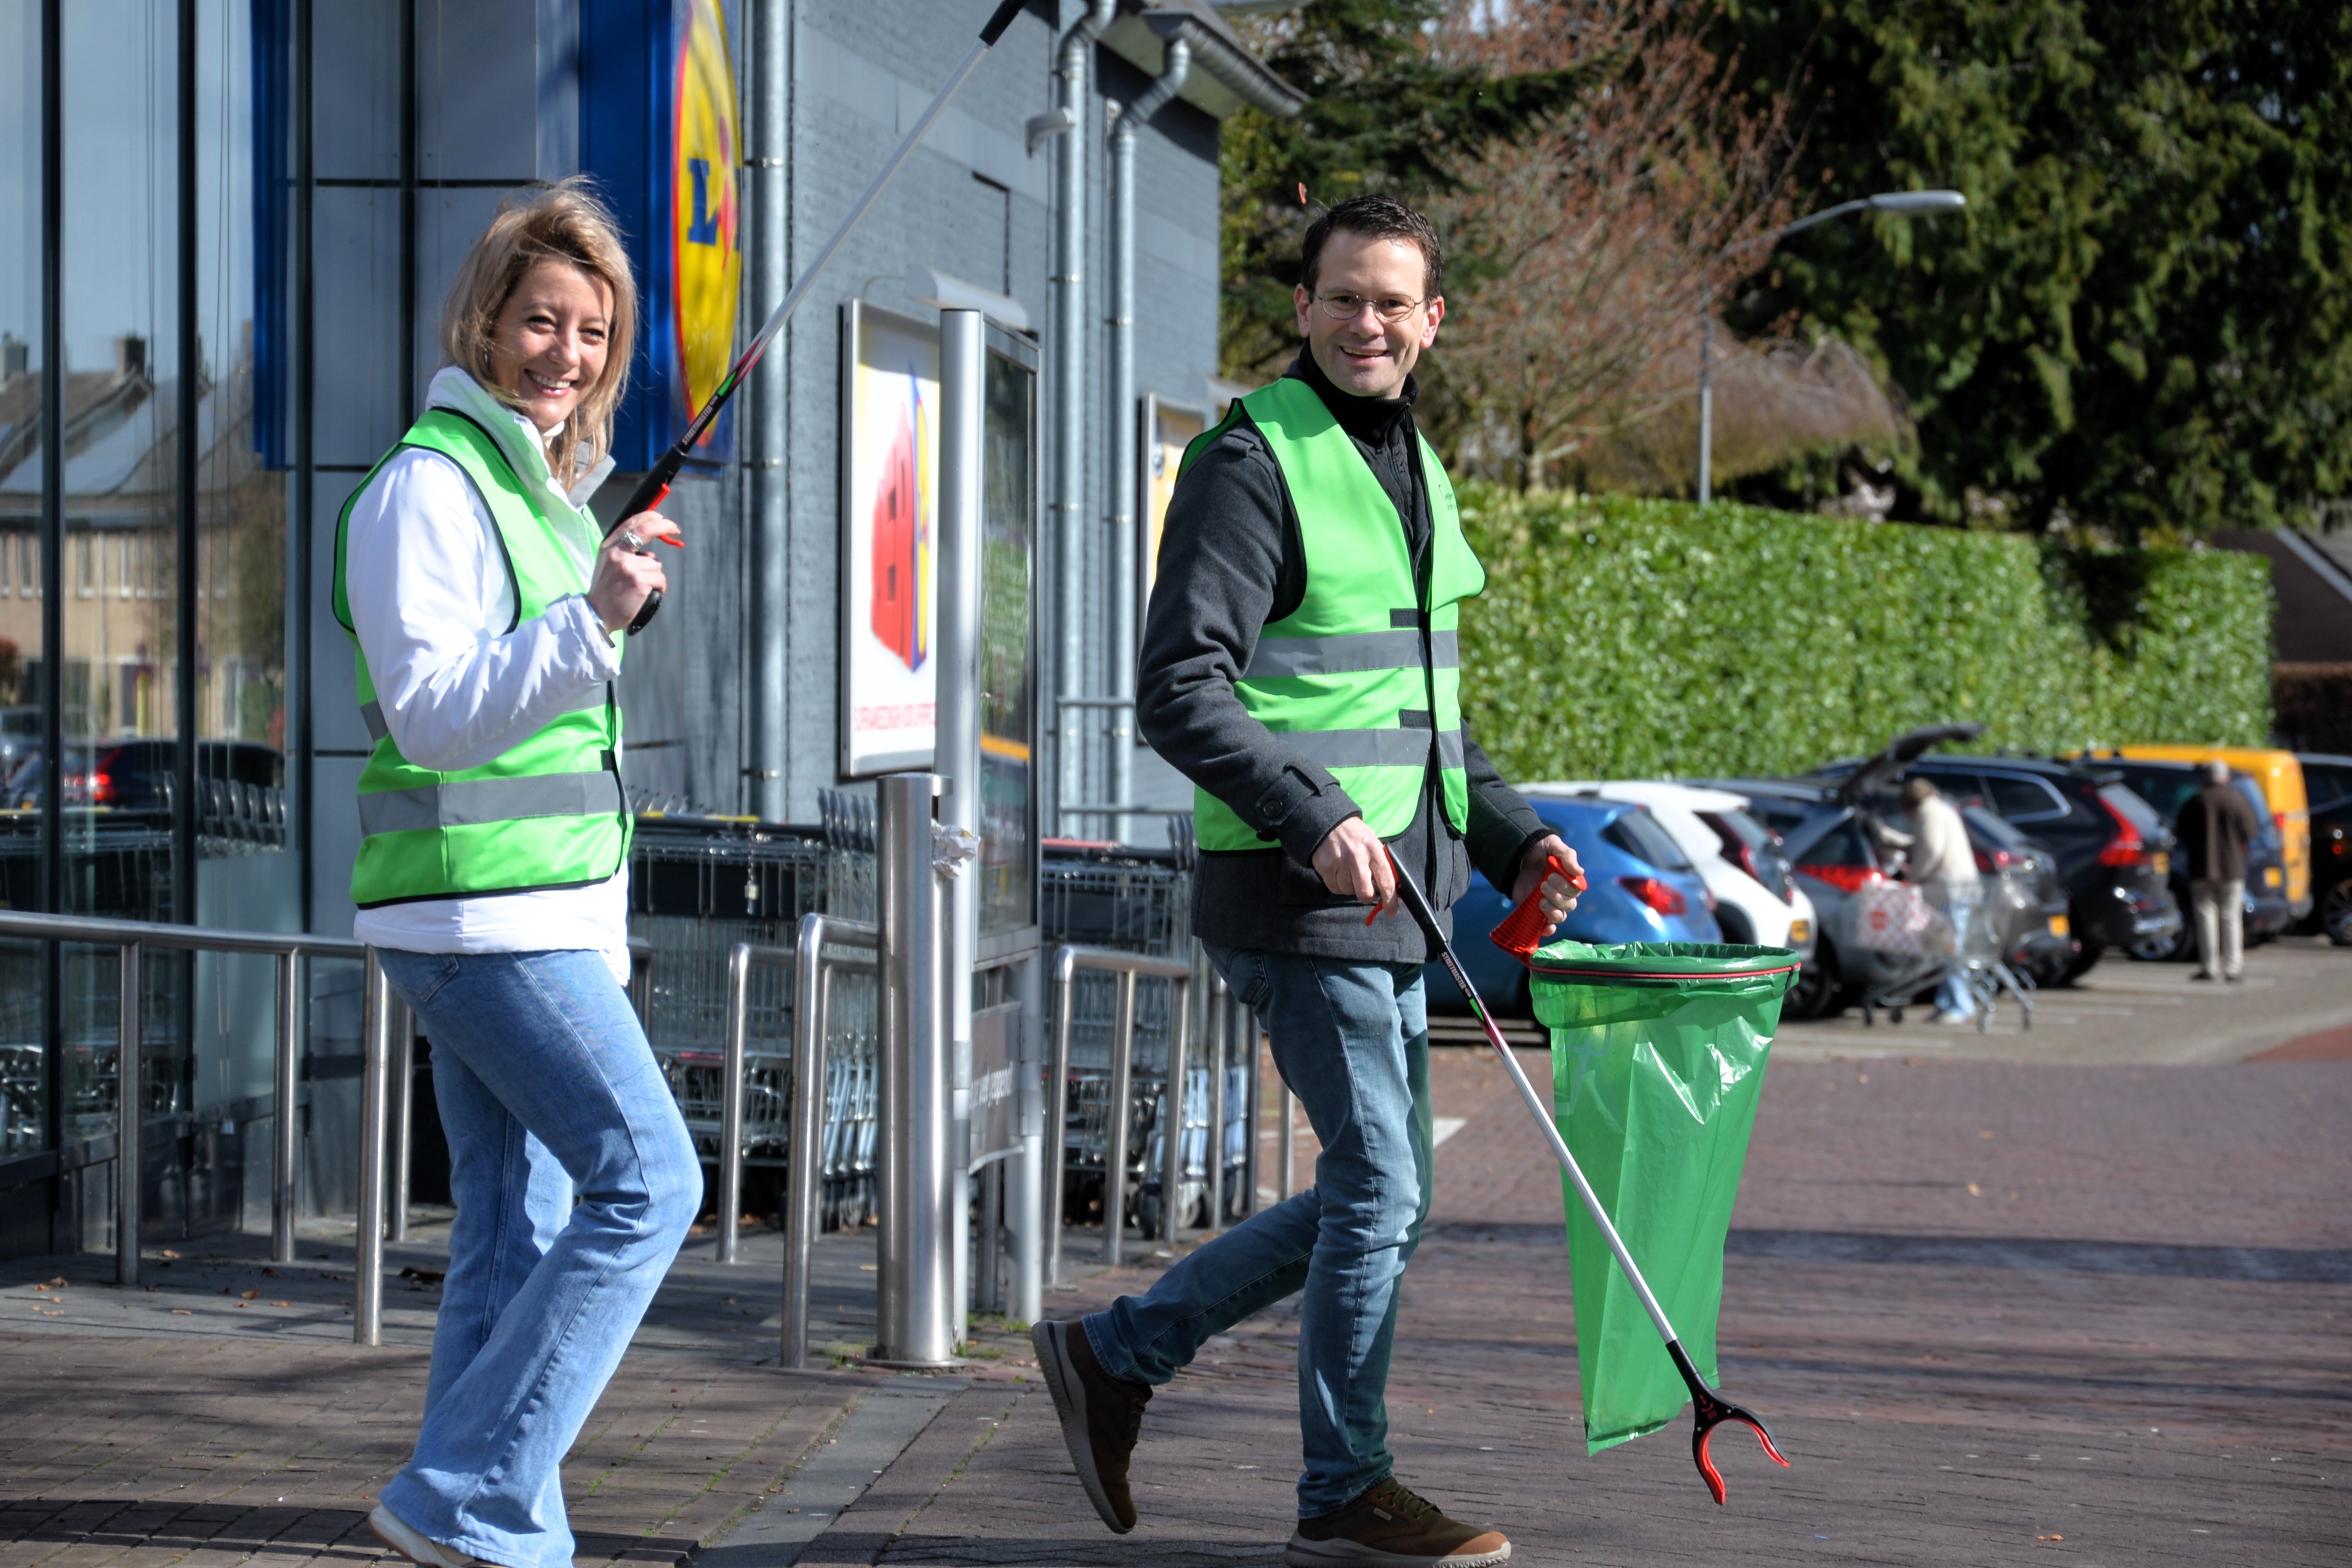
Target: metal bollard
[917, 1176]
[130, 1066]
[1057, 1111]
[375, 1071]
[285, 1090]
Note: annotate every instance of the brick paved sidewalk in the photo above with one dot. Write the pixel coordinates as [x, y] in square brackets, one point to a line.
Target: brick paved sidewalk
[2120, 1321]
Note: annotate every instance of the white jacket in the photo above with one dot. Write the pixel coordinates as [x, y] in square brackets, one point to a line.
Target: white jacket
[430, 601]
[1941, 855]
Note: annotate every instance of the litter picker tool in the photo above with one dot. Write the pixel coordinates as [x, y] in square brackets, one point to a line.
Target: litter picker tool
[656, 482]
[1709, 1408]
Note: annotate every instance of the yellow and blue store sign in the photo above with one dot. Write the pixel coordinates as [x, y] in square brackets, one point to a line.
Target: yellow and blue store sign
[661, 136]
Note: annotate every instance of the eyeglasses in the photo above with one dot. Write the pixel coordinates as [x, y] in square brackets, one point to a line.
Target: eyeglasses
[1347, 307]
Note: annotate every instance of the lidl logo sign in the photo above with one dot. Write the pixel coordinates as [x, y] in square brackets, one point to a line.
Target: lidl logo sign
[706, 219]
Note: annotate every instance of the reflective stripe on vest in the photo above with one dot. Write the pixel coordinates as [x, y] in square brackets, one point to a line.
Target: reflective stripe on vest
[550, 811]
[469, 802]
[1363, 677]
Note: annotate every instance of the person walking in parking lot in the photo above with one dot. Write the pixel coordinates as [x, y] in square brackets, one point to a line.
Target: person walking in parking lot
[1299, 665]
[1943, 865]
[2215, 828]
[492, 874]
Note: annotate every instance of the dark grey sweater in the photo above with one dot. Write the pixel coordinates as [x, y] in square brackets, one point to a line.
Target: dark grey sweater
[1230, 562]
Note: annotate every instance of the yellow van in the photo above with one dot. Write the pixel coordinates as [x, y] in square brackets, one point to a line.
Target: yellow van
[2281, 777]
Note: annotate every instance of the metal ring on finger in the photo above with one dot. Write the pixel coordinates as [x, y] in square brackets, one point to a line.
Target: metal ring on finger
[635, 544]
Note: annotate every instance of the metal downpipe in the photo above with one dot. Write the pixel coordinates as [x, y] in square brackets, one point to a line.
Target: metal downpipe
[1124, 580]
[1068, 387]
[766, 170]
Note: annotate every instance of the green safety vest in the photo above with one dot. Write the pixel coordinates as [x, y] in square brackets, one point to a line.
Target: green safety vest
[549, 813]
[1364, 676]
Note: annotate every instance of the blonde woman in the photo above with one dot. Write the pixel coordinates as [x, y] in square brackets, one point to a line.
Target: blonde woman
[493, 870]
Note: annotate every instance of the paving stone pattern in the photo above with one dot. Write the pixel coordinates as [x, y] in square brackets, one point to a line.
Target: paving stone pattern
[2114, 1330]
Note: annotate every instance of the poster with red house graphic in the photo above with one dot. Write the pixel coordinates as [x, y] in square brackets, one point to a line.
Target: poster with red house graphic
[888, 506]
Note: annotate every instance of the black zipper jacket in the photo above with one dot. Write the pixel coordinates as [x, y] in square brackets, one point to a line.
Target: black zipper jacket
[1230, 562]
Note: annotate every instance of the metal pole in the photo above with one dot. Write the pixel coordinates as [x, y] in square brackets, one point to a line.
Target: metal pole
[1706, 401]
[1068, 385]
[768, 268]
[1119, 734]
[129, 1069]
[1286, 1151]
[1025, 1196]
[375, 1052]
[1115, 1124]
[1217, 1018]
[963, 401]
[803, 1155]
[1245, 1025]
[1057, 1109]
[1172, 1143]
[285, 1089]
[402, 1106]
[731, 1100]
[641, 981]
[916, 1314]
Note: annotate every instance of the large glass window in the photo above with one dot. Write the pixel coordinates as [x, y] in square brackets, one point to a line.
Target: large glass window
[24, 1078]
[159, 677]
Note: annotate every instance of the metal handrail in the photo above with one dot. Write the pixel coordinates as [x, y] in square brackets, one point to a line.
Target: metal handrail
[1068, 961]
[813, 973]
[131, 940]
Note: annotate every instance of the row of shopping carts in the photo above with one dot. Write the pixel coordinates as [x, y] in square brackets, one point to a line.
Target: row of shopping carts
[700, 885]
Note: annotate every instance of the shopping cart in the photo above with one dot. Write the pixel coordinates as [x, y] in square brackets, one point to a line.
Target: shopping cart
[699, 886]
[1897, 919]
[1136, 900]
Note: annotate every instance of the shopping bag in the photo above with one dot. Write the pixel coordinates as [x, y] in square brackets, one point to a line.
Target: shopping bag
[1658, 1054]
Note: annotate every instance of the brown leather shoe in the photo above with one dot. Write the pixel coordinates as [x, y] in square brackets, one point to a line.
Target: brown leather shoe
[1101, 1415]
[1387, 1526]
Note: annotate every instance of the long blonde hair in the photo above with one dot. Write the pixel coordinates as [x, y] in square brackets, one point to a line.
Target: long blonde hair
[562, 222]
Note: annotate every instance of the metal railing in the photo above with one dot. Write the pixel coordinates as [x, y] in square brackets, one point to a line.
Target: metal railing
[814, 968]
[1129, 967]
[131, 940]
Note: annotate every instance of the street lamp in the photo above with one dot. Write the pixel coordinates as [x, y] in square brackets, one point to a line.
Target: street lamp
[1912, 202]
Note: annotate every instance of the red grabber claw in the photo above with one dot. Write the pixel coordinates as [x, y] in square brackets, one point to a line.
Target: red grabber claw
[1710, 1410]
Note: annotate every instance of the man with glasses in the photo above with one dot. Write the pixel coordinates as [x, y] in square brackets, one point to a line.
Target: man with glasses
[1299, 666]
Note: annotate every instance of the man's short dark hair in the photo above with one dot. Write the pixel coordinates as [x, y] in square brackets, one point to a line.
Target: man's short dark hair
[1375, 217]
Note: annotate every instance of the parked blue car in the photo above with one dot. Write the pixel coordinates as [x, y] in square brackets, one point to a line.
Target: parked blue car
[1642, 889]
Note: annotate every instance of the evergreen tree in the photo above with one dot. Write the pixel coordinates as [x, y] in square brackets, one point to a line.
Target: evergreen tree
[2144, 320]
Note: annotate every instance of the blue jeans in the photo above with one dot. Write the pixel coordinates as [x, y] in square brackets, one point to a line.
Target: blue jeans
[1352, 1039]
[547, 1089]
[1952, 992]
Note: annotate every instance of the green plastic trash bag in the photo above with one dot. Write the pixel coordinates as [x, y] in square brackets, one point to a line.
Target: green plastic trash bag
[1658, 1052]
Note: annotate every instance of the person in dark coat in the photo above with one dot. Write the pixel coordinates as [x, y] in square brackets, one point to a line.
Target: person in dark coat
[2215, 828]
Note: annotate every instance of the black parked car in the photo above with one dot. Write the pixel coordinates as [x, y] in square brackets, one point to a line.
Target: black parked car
[2167, 787]
[2115, 853]
[2329, 782]
[240, 784]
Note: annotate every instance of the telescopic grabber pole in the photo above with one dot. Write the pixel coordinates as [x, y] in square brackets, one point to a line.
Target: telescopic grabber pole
[1709, 1408]
[656, 482]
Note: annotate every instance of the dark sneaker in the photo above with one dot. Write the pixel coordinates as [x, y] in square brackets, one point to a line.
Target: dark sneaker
[1389, 1527]
[1100, 1417]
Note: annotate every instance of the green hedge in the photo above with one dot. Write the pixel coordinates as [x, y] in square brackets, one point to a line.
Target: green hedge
[1624, 638]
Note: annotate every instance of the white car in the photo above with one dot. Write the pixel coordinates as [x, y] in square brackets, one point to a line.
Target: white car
[1758, 901]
